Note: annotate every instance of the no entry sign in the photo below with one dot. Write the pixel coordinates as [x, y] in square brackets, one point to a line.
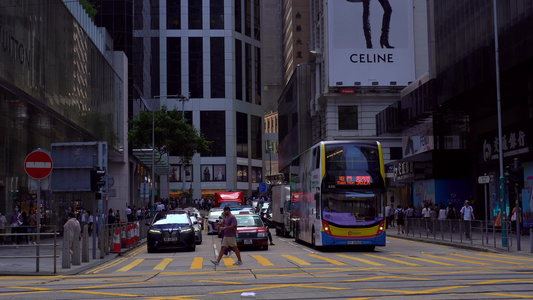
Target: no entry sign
[38, 164]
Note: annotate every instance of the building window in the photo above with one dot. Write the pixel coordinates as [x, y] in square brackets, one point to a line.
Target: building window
[248, 72]
[242, 173]
[218, 68]
[242, 134]
[257, 21]
[173, 65]
[195, 14]
[238, 16]
[196, 69]
[173, 14]
[248, 18]
[348, 118]
[213, 126]
[238, 69]
[154, 66]
[216, 14]
[255, 137]
[257, 76]
[257, 174]
[207, 172]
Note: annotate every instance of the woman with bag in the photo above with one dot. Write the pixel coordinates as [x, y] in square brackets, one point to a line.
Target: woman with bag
[514, 216]
[16, 222]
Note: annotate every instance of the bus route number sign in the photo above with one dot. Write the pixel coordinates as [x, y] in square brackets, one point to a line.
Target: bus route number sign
[354, 180]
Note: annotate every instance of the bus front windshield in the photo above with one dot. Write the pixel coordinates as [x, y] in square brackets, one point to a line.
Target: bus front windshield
[349, 208]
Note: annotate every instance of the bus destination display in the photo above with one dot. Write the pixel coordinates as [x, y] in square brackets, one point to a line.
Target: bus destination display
[354, 180]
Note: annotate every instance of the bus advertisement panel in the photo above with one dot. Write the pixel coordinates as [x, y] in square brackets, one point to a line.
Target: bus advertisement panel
[341, 187]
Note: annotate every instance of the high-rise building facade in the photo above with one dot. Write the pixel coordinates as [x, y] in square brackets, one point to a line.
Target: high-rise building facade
[203, 57]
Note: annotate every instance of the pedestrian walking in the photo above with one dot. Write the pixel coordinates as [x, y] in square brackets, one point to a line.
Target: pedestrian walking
[72, 231]
[16, 222]
[266, 222]
[467, 215]
[32, 227]
[3, 223]
[230, 234]
[400, 222]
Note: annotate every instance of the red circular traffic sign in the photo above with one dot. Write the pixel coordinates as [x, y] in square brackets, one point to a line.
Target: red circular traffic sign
[38, 164]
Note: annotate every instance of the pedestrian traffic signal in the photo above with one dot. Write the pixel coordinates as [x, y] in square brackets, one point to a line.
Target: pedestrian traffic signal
[515, 176]
[97, 180]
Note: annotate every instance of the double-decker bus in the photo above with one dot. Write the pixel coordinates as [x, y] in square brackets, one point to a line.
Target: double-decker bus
[340, 187]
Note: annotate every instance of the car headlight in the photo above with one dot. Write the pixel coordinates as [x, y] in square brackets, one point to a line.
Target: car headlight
[261, 234]
[155, 230]
[186, 230]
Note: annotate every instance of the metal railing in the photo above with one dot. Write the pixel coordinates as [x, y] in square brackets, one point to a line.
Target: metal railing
[472, 232]
[17, 241]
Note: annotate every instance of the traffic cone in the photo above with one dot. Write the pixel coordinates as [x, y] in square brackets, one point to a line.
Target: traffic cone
[116, 242]
[123, 236]
[135, 233]
[128, 236]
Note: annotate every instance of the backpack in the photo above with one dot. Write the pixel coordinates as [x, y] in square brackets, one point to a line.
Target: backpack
[451, 213]
[399, 214]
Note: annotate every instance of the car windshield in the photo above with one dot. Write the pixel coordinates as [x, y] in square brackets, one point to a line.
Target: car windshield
[161, 219]
[215, 214]
[248, 221]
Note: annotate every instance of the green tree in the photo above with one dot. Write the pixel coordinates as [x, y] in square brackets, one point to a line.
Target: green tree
[173, 134]
[89, 7]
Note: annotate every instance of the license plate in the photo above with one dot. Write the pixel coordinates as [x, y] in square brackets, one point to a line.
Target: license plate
[248, 242]
[171, 239]
[354, 242]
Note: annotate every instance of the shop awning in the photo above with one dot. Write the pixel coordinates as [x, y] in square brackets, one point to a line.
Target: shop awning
[162, 167]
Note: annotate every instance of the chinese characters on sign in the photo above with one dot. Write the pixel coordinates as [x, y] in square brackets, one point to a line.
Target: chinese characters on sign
[513, 143]
[354, 180]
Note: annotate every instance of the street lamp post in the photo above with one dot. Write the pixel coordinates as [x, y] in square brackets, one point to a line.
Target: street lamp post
[270, 159]
[182, 99]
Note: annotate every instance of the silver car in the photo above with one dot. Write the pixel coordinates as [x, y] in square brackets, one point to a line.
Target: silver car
[197, 230]
[215, 215]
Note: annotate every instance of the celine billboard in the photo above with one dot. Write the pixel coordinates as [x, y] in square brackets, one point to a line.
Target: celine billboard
[370, 42]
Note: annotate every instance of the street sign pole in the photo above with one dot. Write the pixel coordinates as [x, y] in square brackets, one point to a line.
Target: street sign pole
[485, 180]
[38, 165]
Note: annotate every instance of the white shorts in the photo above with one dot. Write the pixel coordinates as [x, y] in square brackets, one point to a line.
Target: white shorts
[229, 242]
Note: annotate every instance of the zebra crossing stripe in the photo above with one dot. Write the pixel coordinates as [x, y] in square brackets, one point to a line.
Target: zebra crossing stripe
[366, 261]
[163, 264]
[131, 265]
[263, 261]
[297, 260]
[332, 261]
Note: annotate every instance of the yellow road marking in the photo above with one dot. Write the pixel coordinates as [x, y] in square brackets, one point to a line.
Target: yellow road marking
[426, 260]
[418, 292]
[131, 265]
[487, 259]
[297, 260]
[314, 286]
[366, 261]
[262, 260]
[229, 262]
[163, 264]
[137, 251]
[384, 277]
[332, 261]
[107, 266]
[197, 263]
[507, 295]
[220, 281]
[394, 260]
[505, 256]
[456, 259]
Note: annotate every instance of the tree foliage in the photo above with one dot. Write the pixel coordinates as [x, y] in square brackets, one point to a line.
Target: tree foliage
[173, 134]
[89, 7]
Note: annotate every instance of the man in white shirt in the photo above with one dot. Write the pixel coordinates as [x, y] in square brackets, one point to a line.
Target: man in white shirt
[467, 214]
[387, 214]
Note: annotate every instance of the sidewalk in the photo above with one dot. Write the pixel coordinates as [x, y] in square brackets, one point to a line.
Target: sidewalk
[477, 243]
[14, 263]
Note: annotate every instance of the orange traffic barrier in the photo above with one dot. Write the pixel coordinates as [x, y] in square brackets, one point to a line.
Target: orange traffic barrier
[135, 233]
[123, 235]
[116, 242]
[128, 236]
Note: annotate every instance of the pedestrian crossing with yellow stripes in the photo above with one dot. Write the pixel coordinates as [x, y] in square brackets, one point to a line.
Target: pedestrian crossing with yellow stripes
[318, 260]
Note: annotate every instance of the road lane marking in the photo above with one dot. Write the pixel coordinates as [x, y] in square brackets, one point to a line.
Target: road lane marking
[107, 266]
[386, 277]
[506, 256]
[366, 261]
[425, 260]
[297, 260]
[197, 263]
[456, 259]
[131, 265]
[263, 261]
[487, 259]
[163, 264]
[229, 262]
[394, 260]
[332, 261]
[429, 291]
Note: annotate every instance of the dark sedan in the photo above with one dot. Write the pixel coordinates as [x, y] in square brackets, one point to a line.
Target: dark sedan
[171, 230]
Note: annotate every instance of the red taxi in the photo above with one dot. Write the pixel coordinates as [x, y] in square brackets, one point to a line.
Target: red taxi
[251, 231]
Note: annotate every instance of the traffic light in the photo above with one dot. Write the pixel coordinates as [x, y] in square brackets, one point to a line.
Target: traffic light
[515, 175]
[97, 180]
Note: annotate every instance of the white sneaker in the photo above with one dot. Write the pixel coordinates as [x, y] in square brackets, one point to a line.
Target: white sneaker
[238, 263]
